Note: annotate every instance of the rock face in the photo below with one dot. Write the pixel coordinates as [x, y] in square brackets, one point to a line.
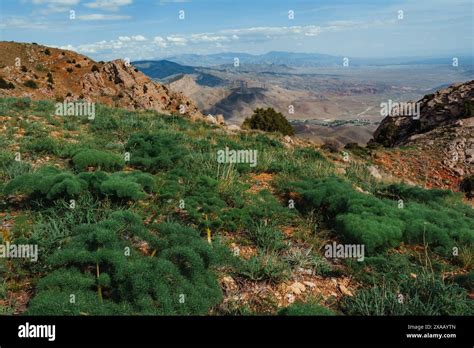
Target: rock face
[445, 129]
[65, 75]
[444, 108]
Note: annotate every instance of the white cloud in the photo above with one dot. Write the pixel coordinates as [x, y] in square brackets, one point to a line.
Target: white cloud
[56, 2]
[200, 38]
[132, 38]
[174, 1]
[55, 6]
[21, 23]
[131, 44]
[102, 17]
[139, 38]
[108, 5]
[160, 42]
[177, 40]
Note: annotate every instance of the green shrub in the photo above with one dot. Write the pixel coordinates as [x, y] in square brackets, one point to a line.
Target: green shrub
[6, 85]
[270, 121]
[51, 183]
[50, 78]
[120, 185]
[305, 309]
[100, 160]
[467, 186]
[415, 193]
[378, 223]
[46, 183]
[31, 84]
[96, 267]
[154, 152]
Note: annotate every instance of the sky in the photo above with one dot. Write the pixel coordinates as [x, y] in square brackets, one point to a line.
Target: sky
[150, 29]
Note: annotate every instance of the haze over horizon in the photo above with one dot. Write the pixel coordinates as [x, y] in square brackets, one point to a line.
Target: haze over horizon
[156, 29]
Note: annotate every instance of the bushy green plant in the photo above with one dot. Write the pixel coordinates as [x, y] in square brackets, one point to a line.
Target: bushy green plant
[51, 183]
[100, 160]
[154, 152]
[268, 120]
[30, 84]
[47, 183]
[305, 309]
[202, 200]
[105, 272]
[467, 186]
[119, 185]
[415, 193]
[379, 223]
[6, 85]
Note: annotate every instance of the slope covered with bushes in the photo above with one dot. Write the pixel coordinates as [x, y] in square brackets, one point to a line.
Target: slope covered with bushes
[133, 214]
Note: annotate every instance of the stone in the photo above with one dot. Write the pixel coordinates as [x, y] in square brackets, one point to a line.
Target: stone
[345, 291]
[220, 119]
[374, 172]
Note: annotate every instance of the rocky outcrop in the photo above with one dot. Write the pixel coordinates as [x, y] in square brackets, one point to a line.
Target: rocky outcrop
[445, 128]
[66, 75]
[444, 108]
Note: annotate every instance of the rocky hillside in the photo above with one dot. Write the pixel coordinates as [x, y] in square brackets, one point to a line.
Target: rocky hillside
[444, 130]
[40, 72]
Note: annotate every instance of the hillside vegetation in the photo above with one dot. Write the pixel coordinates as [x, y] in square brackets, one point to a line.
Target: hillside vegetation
[133, 214]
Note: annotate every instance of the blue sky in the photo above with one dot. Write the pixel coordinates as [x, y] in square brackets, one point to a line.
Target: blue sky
[143, 29]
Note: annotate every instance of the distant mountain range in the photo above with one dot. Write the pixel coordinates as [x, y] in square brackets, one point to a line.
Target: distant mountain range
[294, 60]
[166, 71]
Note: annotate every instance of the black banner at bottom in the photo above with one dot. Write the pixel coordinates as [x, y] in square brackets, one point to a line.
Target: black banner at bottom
[260, 330]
